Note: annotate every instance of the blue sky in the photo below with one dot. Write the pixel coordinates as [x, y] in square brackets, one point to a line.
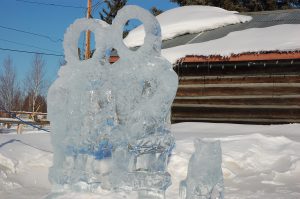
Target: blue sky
[47, 20]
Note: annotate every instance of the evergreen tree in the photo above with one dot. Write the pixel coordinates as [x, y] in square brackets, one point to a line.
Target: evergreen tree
[111, 9]
[239, 5]
[181, 2]
[270, 5]
[155, 11]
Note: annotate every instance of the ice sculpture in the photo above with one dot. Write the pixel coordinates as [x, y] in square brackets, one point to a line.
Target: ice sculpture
[109, 121]
[205, 177]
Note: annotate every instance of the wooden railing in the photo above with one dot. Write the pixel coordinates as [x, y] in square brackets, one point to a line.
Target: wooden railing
[21, 118]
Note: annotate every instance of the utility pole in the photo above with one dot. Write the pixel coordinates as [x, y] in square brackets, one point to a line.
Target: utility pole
[88, 32]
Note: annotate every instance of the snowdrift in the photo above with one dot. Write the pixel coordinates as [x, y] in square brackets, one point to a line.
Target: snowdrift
[258, 161]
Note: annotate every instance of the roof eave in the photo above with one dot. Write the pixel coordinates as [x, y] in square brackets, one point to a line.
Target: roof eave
[250, 56]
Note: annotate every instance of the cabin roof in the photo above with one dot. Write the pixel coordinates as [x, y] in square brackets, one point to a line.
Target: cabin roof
[260, 20]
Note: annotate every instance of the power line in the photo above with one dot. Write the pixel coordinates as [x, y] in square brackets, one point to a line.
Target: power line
[51, 4]
[28, 45]
[95, 7]
[31, 33]
[31, 52]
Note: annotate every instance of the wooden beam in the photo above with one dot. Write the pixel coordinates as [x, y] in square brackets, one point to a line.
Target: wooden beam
[232, 106]
[236, 120]
[268, 56]
[240, 85]
[16, 121]
[236, 97]
[264, 56]
[240, 79]
[238, 91]
[236, 113]
[28, 113]
[253, 101]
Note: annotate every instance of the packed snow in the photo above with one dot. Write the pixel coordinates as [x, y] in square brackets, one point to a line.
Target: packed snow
[187, 19]
[259, 161]
[275, 38]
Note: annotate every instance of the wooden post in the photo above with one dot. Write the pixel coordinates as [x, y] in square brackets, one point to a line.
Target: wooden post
[19, 128]
[88, 33]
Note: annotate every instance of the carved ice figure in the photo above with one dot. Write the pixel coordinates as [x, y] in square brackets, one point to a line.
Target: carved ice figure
[205, 177]
[109, 121]
[144, 89]
[79, 106]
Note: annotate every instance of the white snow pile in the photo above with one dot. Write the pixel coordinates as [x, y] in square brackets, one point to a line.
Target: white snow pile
[258, 162]
[275, 38]
[187, 19]
[24, 163]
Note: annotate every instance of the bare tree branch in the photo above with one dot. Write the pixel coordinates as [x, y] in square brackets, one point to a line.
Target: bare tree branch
[8, 84]
[35, 82]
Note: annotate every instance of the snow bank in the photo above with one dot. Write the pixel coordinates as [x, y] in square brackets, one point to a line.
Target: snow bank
[24, 163]
[187, 19]
[254, 166]
[264, 165]
[275, 38]
[258, 162]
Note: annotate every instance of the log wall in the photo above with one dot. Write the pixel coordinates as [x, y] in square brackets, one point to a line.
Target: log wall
[265, 92]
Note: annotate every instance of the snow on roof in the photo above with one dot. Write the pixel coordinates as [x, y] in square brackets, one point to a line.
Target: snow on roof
[187, 19]
[275, 38]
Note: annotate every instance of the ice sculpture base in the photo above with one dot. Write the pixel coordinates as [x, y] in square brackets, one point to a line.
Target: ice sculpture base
[151, 194]
[143, 180]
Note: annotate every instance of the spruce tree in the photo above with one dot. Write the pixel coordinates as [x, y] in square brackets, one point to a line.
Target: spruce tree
[111, 9]
[238, 5]
[155, 11]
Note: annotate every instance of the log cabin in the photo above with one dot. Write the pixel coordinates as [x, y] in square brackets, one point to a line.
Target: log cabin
[240, 73]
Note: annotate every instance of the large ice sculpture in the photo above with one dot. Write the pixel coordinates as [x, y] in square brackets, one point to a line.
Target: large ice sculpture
[109, 121]
[205, 177]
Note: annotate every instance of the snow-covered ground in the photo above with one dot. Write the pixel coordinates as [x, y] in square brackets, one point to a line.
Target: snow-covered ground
[258, 161]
